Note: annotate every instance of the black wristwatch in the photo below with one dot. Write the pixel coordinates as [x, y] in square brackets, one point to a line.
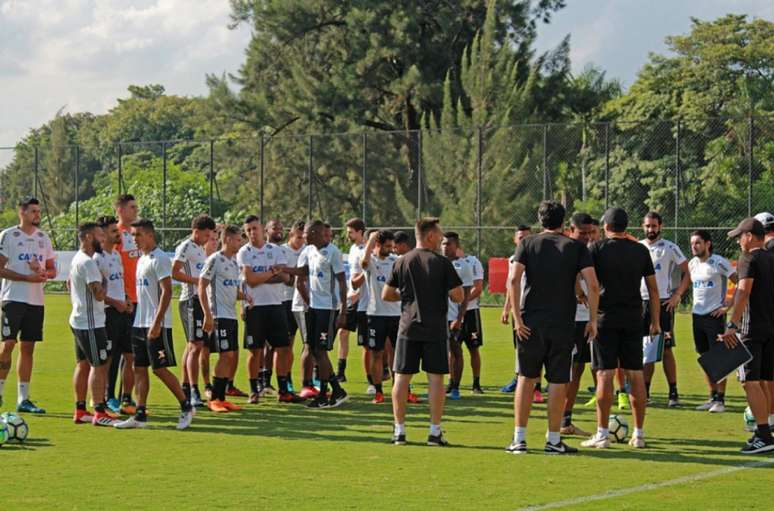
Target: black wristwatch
[731, 325]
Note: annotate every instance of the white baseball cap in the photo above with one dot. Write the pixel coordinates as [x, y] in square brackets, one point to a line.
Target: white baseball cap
[766, 218]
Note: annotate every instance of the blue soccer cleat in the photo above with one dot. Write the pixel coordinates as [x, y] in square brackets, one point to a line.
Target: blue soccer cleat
[29, 407]
[454, 394]
[511, 387]
[114, 405]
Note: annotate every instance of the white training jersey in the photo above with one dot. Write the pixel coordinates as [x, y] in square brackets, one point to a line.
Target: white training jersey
[324, 264]
[292, 258]
[192, 255]
[377, 273]
[87, 313]
[465, 272]
[478, 274]
[21, 249]
[582, 313]
[152, 268]
[511, 262]
[710, 282]
[112, 269]
[298, 304]
[666, 257]
[224, 276]
[260, 260]
[355, 257]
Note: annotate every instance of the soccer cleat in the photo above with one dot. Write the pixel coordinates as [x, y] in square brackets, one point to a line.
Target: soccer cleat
[131, 423]
[399, 439]
[309, 392]
[449, 388]
[127, 408]
[623, 401]
[235, 392]
[338, 398]
[517, 447]
[477, 390]
[102, 419]
[560, 448]
[231, 407]
[196, 401]
[114, 405]
[637, 442]
[378, 398]
[29, 407]
[718, 407]
[113, 415]
[216, 405]
[757, 445]
[437, 441]
[185, 419]
[509, 388]
[454, 395]
[208, 392]
[289, 397]
[573, 430]
[673, 402]
[82, 417]
[413, 398]
[290, 387]
[537, 397]
[253, 399]
[319, 401]
[706, 405]
[591, 403]
[596, 442]
[370, 390]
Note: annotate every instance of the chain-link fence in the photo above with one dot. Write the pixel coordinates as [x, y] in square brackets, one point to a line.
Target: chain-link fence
[705, 173]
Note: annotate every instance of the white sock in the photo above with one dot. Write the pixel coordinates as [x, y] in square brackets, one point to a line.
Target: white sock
[400, 429]
[435, 429]
[639, 433]
[519, 434]
[771, 417]
[603, 432]
[24, 391]
[2, 387]
[554, 438]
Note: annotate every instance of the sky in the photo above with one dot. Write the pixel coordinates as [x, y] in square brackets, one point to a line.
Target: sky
[81, 55]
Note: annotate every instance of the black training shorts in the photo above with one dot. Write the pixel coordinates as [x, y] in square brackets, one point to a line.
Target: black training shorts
[617, 345]
[22, 318]
[434, 357]
[667, 320]
[706, 330]
[381, 328]
[321, 328]
[91, 346]
[118, 326]
[550, 347]
[225, 335]
[582, 346]
[192, 316]
[266, 324]
[761, 367]
[156, 353]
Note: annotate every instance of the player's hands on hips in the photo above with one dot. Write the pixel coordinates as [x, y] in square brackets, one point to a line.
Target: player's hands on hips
[521, 330]
[672, 302]
[729, 338]
[590, 331]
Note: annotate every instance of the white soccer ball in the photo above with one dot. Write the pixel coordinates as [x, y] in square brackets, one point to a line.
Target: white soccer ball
[749, 420]
[619, 429]
[17, 427]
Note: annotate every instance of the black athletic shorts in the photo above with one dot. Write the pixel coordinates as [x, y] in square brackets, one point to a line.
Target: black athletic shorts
[321, 328]
[118, 326]
[266, 324]
[667, 319]
[582, 347]
[434, 357]
[22, 318]
[357, 321]
[616, 346]
[192, 316]
[761, 367]
[471, 333]
[381, 328]
[155, 353]
[91, 346]
[706, 330]
[550, 347]
[291, 319]
[225, 335]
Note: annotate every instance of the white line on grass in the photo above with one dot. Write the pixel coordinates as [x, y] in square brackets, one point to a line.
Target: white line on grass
[649, 486]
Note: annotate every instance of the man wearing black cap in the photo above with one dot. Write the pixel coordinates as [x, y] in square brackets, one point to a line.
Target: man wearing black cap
[752, 322]
[620, 264]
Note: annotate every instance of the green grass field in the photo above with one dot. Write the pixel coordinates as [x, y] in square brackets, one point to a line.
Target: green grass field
[287, 457]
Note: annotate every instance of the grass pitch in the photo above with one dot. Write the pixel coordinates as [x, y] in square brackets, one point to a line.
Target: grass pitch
[275, 456]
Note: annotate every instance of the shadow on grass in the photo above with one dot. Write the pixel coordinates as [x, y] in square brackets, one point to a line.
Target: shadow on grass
[31, 444]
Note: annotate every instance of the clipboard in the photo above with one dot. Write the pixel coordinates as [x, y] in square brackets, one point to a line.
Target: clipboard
[652, 348]
[720, 362]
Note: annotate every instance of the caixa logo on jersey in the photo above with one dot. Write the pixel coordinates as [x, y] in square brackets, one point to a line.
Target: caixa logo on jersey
[230, 282]
[381, 278]
[143, 282]
[199, 266]
[30, 257]
[260, 269]
[115, 276]
[703, 284]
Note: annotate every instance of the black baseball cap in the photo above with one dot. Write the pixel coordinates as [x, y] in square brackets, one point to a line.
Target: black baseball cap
[750, 225]
[616, 218]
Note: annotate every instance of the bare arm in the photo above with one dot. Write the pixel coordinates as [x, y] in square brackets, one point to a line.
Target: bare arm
[390, 294]
[301, 278]
[164, 300]
[457, 294]
[180, 275]
[204, 300]
[7, 274]
[50, 271]
[98, 291]
[477, 289]
[514, 295]
[655, 304]
[592, 297]
[685, 283]
[741, 299]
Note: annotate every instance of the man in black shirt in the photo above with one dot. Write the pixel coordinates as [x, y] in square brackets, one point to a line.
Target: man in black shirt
[423, 281]
[753, 320]
[545, 323]
[767, 219]
[621, 263]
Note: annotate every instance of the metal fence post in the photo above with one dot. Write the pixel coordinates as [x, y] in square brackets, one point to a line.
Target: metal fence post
[365, 182]
[751, 143]
[607, 165]
[120, 169]
[309, 179]
[163, 193]
[261, 176]
[677, 178]
[479, 165]
[77, 194]
[419, 174]
[212, 174]
[35, 177]
[545, 162]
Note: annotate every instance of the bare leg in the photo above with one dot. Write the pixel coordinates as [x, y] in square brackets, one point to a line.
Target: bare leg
[475, 362]
[185, 374]
[436, 394]
[638, 399]
[194, 353]
[81, 380]
[24, 362]
[573, 387]
[97, 380]
[522, 401]
[399, 396]
[605, 396]
[141, 385]
[557, 393]
[670, 366]
[377, 366]
[456, 362]
[758, 400]
[127, 377]
[204, 363]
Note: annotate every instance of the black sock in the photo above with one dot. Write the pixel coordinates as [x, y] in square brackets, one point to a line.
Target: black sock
[306, 383]
[187, 390]
[456, 385]
[80, 405]
[100, 407]
[208, 386]
[713, 395]
[566, 419]
[763, 431]
[621, 391]
[185, 405]
[324, 387]
[342, 365]
[229, 383]
[195, 390]
[290, 380]
[673, 389]
[126, 398]
[335, 386]
[219, 389]
[476, 381]
[112, 376]
[254, 385]
[370, 380]
[721, 397]
[647, 388]
[283, 384]
[141, 414]
[451, 383]
[316, 373]
[379, 388]
[537, 386]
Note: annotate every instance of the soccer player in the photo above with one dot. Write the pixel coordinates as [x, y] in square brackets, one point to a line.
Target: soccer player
[186, 267]
[218, 288]
[767, 219]
[212, 246]
[709, 274]
[456, 314]
[118, 318]
[383, 316]
[402, 243]
[87, 321]
[666, 257]
[621, 264]
[474, 335]
[27, 261]
[275, 233]
[320, 267]
[522, 231]
[126, 210]
[752, 322]
[262, 266]
[292, 248]
[580, 230]
[357, 298]
[545, 322]
[152, 328]
[423, 281]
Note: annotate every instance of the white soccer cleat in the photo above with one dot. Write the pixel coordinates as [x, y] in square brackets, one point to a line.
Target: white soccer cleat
[717, 407]
[130, 423]
[185, 419]
[596, 442]
[705, 405]
[637, 442]
[371, 390]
